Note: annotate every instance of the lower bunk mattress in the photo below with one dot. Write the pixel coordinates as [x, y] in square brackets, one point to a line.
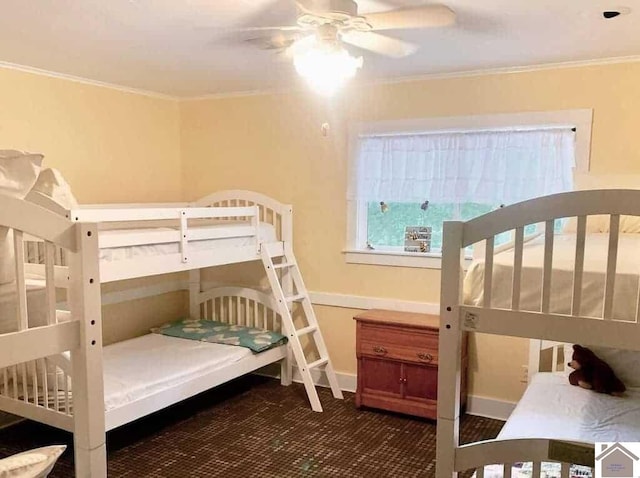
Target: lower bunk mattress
[147, 373]
[552, 408]
[141, 367]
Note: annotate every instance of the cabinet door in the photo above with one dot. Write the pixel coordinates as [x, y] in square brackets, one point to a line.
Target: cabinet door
[380, 376]
[420, 382]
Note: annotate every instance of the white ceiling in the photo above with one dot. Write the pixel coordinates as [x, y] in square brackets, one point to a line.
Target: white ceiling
[193, 47]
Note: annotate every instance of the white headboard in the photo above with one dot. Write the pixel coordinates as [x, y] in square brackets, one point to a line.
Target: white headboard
[539, 350]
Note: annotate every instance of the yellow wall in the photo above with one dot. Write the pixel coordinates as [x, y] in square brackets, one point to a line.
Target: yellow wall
[115, 146]
[273, 144]
[111, 146]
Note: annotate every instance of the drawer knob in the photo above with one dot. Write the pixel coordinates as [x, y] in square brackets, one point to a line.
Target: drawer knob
[424, 356]
[379, 350]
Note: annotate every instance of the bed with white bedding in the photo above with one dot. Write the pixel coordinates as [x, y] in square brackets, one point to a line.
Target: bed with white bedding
[552, 408]
[581, 287]
[163, 241]
[564, 252]
[53, 366]
[146, 373]
[140, 240]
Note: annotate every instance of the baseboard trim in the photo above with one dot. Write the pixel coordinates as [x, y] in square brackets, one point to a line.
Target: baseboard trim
[348, 381]
[480, 406]
[489, 407]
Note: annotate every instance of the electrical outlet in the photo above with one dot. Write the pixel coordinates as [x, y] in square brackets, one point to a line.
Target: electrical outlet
[524, 376]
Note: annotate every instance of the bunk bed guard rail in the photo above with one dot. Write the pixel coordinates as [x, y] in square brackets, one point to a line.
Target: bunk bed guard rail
[187, 234]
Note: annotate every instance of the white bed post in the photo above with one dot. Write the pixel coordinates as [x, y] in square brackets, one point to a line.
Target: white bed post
[286, 366]
[535, 347]
[87, 378]
[194, 293]
[449, 351]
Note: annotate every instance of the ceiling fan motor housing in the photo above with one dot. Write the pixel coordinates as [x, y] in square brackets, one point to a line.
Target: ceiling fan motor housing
[338, 10]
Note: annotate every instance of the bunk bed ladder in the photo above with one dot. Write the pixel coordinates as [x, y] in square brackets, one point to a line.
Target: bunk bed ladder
[285, 276]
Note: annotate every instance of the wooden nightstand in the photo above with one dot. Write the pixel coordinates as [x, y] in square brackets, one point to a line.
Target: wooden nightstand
[398, 362]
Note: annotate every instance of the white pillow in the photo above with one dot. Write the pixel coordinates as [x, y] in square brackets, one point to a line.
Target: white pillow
[18, 173]
[625, 363]
[36, 463]
[51, 183]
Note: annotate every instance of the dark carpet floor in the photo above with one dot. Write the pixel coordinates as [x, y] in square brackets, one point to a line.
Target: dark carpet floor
[253, 427]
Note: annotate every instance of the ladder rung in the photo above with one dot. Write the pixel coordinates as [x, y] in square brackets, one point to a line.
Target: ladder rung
[306, 330]
[318, 363]
[283, 265]
[293, 298]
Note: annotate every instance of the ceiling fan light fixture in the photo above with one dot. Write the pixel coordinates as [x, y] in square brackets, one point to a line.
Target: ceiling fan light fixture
[326, 66]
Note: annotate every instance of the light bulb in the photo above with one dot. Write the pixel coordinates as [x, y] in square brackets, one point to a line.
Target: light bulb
[325, 65]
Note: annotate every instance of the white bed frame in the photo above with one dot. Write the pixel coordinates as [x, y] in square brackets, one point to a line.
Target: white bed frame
[71, 244]
[456, 318]
[248, 207]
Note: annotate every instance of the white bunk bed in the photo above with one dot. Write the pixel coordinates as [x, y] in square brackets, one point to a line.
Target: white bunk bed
[547, 289]
[78, 249]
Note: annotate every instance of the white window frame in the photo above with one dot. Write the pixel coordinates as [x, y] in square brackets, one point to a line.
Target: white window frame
[580, 119]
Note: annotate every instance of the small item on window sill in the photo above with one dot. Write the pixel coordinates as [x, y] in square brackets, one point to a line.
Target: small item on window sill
[383, 207]
[424, 206]
[370, 247]
[417, 238]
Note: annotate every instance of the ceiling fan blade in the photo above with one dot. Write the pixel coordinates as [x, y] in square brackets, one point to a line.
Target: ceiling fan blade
[286, 28]
[381, 44]
[425, 16]
[278, 42]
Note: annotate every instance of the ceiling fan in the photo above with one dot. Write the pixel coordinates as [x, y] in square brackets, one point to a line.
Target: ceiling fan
[338, 20]
[316, 41]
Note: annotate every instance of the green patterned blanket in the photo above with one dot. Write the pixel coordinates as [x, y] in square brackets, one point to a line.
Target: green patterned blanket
[257, 340]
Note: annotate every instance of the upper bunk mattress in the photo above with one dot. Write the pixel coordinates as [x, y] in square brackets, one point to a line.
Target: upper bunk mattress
[552, 408]
[625, 297]
[156, 245]
[140, 367]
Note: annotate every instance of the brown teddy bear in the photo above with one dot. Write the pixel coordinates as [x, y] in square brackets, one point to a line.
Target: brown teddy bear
[593, 373]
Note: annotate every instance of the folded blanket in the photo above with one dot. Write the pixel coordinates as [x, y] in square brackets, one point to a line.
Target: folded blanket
[258, 340]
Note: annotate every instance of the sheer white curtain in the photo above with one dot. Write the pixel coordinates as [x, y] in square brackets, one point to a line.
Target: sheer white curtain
[491, 167]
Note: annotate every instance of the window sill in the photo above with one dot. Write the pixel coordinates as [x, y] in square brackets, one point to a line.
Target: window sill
[429, 260]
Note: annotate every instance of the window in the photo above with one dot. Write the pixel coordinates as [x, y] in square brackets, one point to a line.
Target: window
[425, 176]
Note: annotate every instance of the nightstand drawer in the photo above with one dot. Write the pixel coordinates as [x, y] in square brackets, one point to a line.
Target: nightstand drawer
[398, 344]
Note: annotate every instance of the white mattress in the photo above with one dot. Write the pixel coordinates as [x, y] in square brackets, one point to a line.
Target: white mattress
[626, 284]
[552, 408]
[267, 233]
[140, 367]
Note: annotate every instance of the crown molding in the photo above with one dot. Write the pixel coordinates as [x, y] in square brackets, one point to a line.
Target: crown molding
[373, 82]
[85, 81]
[436, 76]
[509, 70]
[235, 94]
